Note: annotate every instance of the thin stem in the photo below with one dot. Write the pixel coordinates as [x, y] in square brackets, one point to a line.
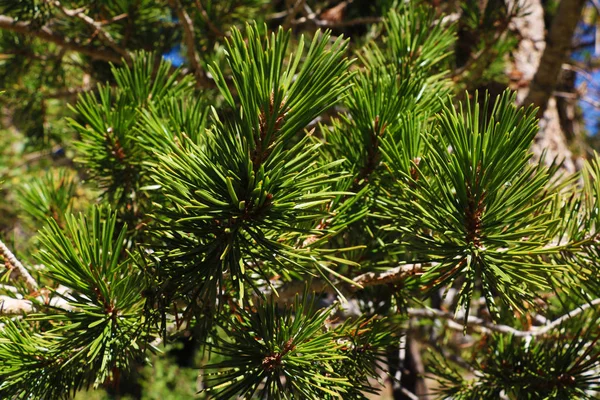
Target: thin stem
[390, 276]
[488, 327]
[206, 19]
[190, 41]
[294, 9]
[45, 34]
[10, 259]
[104, 35]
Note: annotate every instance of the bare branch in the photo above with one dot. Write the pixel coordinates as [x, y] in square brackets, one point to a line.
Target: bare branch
[340, 24]
[393, 275]
[114, 19]
[567, 316]
[190, 41]
[44, 33]
[488, 327]
[293, 10]
[10, 306]
[13, 262]
[577, 96]
[104, 35]
[288, 291]
[206, 19]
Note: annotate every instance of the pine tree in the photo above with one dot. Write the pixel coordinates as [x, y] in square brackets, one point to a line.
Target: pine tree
[302, 206]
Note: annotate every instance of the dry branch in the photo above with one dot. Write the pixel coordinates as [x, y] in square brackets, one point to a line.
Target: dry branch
[190, 41]
[13, 262]
[489, 327]
[104, 35]
[44, 33]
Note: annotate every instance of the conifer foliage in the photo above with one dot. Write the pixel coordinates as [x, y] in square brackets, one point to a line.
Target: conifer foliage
[301, 218]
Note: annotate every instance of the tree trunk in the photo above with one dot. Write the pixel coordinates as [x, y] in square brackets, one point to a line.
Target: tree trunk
[558, 44]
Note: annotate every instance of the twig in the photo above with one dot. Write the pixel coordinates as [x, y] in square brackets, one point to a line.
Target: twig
[568, 315]
[290, 290]
[44, 33]
[576, 96]
[488, 327]
[114, 19]
[12, 306]
[488, 44]
[10, 259]
[104, 35]
[292, 13]
[393, 275]
[351, 22]
[337, 24]
[206, 19]
[190, 41]
[409, 394]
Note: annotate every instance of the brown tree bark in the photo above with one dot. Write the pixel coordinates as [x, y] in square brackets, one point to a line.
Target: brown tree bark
[558, 44]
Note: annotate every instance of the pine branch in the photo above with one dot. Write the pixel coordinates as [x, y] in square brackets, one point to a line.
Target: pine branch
[44, 33]
[9, 258]
[104, 35]
[488, 327]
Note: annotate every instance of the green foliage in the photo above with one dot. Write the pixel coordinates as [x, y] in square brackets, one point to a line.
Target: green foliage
[244, 194]
[107, 125]
[478, 208]
[48, 197]
[294, 353]
[556, 366]
[95, 330]
[219, 198]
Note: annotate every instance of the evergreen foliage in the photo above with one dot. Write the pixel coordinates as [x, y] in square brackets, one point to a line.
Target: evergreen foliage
[300, 219]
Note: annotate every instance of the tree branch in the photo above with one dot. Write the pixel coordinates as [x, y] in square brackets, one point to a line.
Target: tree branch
[45, 34]
[393, 275]
[488, 327]
[104, 35]
[350, 22]
[12, 306]
[190, 41]
[206, 19]
[13, 262]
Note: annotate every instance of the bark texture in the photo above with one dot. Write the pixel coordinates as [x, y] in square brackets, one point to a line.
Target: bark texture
[530, 65]
[558, 45]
